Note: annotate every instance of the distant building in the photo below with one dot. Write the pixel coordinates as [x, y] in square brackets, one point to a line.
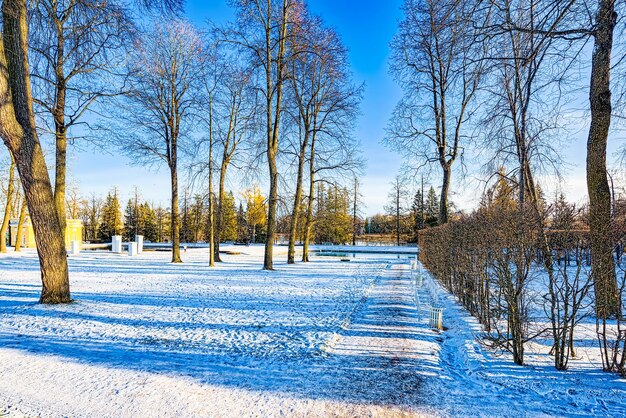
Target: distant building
[73, 232]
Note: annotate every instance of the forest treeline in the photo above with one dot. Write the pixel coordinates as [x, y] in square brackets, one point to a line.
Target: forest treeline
[242, 220]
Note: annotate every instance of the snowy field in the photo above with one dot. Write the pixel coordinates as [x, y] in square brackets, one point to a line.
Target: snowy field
[147, 338]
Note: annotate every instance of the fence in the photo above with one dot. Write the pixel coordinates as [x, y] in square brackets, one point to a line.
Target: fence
[435, 311]
[436, 318]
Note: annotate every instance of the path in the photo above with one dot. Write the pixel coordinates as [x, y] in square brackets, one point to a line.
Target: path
[388, 337]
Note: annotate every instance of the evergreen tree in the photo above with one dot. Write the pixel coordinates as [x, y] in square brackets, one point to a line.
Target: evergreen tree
[111, 222]
[431, 204]
[564, 214]
[501, 195]
[130, 221]
[186, 234]
[431, 207]
[418, 212]
[150, 228]
[242, 225]
[333, 220]
[229, 218]
[197, 216]
[163, 224]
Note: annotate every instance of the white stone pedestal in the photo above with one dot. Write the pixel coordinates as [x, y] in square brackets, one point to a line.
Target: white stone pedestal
[132, 249]
[139, 241]
[116, 244]
[75, 248]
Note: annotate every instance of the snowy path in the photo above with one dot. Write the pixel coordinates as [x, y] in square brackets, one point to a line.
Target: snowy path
[381, 349]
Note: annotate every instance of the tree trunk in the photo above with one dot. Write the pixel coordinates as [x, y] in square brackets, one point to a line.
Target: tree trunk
[60, 178]
[354, 203]
[60, 134]
[220, 205]
[212, 234]
[445, 191]
[17, 128]
[268, 262]
[603, 266]
[174, 221]
[295, 214]
[8, 208]
[273, 125]
[20, 227]
[308, 228]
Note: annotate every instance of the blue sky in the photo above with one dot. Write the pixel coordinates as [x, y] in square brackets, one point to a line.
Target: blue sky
[366, 28]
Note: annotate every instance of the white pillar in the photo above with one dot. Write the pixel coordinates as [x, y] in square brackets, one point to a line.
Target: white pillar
[132, 249]
[116, 244]
[75, 247]
[139, 241]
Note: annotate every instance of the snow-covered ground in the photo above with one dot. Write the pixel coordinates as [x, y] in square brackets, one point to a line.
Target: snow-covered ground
[472, 380]
[327, 338]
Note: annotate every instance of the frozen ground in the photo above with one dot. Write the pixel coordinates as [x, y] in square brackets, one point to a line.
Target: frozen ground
[469, 379]
[330, 338]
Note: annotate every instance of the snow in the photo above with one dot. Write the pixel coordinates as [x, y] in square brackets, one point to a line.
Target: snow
[470, 377]
[327, 338]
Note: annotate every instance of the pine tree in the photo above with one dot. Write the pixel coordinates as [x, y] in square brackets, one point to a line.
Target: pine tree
[333, 219]
[431, 207]
[501, 195]
[197, 218]
[229, 218]
[418, 213]
[185, 227]
[111, 223]
[130, 221]
[163, 224]
[564, 214]
[242, 225]
[150, 224]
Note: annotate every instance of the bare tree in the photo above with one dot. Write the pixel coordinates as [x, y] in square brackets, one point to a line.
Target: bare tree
[91, 209]
[163, 88]
[397, 206]
[76, 47]
[264, 28]
[333, 151]
[356, 209]
[237, 105]
[18, 131]
[597, 183]
[568, 286]
[436, 60]
[564, 22]
[212, 238]
[319, 52]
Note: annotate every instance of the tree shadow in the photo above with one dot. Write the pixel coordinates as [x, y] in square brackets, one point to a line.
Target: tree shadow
[358, 376]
